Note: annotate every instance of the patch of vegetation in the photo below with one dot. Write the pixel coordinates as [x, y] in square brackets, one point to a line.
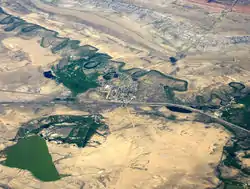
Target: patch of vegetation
[75, 79]
[69, 129]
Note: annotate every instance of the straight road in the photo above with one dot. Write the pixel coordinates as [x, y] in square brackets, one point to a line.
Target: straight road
[134, 103]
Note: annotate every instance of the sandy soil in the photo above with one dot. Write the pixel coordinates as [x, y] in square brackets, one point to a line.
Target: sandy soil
[141, 152]
[152, 154]
[39, 56]
[112, 45]
[28, 70]
[221, 68]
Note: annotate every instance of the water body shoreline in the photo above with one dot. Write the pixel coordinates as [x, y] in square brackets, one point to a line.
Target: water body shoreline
[84, 59]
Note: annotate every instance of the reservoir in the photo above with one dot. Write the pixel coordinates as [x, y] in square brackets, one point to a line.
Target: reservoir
[32, 154]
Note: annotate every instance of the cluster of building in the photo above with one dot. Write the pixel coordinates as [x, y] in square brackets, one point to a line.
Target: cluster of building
[122, 88]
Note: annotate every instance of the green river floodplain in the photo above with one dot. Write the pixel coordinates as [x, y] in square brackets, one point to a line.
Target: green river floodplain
[79, 71]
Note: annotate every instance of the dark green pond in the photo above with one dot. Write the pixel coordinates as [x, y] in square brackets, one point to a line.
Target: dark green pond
[79, 72]
[32, 154]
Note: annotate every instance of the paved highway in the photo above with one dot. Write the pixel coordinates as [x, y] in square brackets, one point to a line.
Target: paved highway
[133, 103]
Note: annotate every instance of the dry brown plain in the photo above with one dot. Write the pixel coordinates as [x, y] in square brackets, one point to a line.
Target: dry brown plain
[142, 151]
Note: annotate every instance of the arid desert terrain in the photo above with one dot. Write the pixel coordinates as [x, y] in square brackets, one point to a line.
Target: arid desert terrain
[124, 94]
